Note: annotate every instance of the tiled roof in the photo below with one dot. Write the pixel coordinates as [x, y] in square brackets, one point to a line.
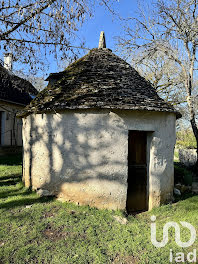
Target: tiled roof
[15, 89]
[98, 80]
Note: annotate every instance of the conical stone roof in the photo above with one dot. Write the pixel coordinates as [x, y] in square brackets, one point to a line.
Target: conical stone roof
[100, 79]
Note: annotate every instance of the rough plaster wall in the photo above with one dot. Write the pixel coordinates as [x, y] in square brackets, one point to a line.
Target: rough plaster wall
[9, 111]
[82, 156]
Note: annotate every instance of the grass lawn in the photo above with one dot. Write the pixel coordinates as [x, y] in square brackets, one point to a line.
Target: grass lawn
[40, 230]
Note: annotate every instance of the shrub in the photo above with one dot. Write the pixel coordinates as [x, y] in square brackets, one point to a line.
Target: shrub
[186, 138]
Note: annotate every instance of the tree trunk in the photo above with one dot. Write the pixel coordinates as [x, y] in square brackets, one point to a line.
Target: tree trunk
[190, 101]
[195, 131]
[193, 123]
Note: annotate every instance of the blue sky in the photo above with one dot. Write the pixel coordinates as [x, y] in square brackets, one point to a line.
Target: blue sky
[103, 20]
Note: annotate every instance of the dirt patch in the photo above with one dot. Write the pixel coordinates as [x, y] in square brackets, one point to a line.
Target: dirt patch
[49, 214]
[55, 234]
[126, 260]
[52, 212]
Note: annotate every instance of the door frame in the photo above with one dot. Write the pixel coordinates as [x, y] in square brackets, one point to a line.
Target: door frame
[149, 137]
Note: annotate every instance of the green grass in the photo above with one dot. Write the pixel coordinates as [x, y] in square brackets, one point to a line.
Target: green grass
[59, 233]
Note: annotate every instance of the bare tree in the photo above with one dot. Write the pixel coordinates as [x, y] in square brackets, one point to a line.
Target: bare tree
[34, 28]
[169, 28]
[166, 77]
[38, 82]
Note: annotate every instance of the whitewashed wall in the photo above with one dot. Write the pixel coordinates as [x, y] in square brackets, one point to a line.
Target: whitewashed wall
[81, 156]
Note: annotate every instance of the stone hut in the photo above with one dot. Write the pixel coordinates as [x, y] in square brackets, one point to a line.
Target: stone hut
[99, 134]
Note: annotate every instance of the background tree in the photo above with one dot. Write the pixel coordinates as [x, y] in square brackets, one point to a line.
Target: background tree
[32, 29]
[38, 82]
[169, 29]
[166, 77]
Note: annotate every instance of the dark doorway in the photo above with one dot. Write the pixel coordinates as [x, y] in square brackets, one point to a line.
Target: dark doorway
[137, 172]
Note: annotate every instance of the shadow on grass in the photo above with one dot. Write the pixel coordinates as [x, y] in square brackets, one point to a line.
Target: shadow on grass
[12, 159]
[9, 192]
[17, 192]
[12, 190]
[183, 174]
[9, 177]
[9, 182]
[184, 196]
[25, 201]
[21, 196]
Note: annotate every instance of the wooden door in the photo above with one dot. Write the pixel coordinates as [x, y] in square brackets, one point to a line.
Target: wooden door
[137, 172]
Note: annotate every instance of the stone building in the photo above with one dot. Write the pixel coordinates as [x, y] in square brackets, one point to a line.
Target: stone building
[15, 94]
[100, 135]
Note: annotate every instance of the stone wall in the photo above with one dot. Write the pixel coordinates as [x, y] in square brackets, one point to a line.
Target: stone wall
[82, 156]
[188, 157]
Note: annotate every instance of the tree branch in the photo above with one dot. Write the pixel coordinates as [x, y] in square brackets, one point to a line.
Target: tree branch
[23, 21]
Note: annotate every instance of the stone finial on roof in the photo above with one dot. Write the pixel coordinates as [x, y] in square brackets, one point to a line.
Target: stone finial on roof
[102, 42]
